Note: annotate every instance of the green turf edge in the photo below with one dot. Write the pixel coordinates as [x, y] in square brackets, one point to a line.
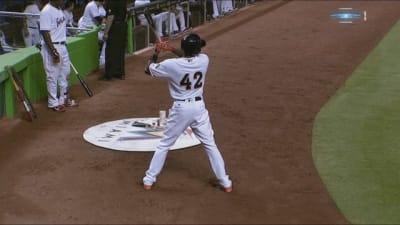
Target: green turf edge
[356, 138]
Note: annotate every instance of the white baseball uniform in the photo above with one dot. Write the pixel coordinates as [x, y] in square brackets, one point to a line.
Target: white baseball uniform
[88, 20]
[181, 17]
[216, 8]
[102, 60]
[89, 14]
[3, 42]
[52, 19]
[186, 79]
[226, 6]
[69, 17]
[32, 26]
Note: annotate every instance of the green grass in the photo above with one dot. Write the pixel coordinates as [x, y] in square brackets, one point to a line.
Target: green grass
[356, 138]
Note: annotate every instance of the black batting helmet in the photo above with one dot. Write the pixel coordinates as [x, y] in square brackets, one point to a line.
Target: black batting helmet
[191, 44]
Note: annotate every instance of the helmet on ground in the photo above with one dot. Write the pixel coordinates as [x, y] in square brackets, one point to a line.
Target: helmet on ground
[191, 44]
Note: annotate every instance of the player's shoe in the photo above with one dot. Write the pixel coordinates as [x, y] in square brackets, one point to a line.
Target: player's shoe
[60, 108]
[228, 189]
[71, 103]
[147, 187]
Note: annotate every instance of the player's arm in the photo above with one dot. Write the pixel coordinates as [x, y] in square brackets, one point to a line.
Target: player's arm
[49, 43]
[109, 21]
[98, 20]
[153, 59]
[95, 14]
[164, 46]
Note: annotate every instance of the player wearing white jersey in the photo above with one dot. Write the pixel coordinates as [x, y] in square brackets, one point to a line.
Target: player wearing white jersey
[92, 15]
[31, 24]
[186, 78]
[68, 13]
[55, 54]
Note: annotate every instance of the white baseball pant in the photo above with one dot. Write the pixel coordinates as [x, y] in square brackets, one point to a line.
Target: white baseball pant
[56, 75]
[32, 38]
[183, 115]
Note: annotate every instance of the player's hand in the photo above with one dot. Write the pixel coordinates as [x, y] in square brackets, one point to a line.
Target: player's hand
[163, 46]
[56, 59]
[154, 57]
[160, 46]
[56, 56]
[168, 47]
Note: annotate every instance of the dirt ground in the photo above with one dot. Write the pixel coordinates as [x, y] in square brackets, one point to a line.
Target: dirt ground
[271, 71]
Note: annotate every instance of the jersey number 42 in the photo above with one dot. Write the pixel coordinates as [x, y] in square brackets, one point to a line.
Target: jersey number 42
[188, 81]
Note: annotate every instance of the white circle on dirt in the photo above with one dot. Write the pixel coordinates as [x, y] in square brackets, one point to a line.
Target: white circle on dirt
[134, 134]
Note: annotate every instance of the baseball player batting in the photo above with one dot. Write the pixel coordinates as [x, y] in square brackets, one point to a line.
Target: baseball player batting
[186, 78]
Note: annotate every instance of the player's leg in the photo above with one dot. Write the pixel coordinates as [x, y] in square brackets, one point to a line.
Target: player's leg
[64, 71]
[31, 38]
[117, 38]
[204, 132]
[177, 123]
[181, 18]
[215, 9]
[158, 21]
[173, 27]
[36, 37]
[102, 60]
[51, 70]
[227, 6]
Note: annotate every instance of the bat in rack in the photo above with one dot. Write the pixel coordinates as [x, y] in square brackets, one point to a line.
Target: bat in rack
[82, 81]
[21, 94]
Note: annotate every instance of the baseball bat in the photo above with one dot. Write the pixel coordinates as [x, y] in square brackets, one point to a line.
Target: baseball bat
[19, 82]
[30, 112]
[150, 21]
[83, 83]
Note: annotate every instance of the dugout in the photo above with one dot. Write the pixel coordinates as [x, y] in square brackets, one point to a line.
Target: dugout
[83, 49]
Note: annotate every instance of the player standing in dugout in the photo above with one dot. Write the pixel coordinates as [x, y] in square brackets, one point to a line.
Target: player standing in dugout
[115, 34]
[55, 55]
